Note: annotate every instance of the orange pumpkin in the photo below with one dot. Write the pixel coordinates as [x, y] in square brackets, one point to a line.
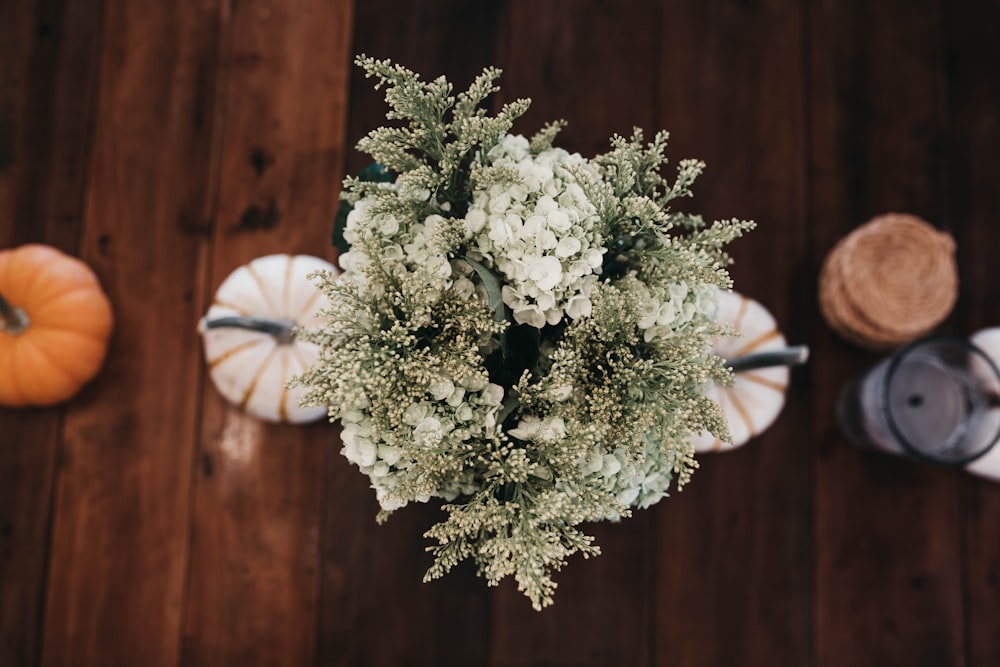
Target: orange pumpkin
[55, 322]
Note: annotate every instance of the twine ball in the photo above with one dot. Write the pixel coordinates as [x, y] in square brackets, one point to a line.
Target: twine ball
[890, 281]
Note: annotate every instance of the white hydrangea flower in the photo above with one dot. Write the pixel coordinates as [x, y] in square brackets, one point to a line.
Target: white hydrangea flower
[441, 389]
[415, 413]
[429, 432]
[665, 311]
[388, 454]
[552, 429]
[633, 485]
[540, 234]
[527, 428]
[387, 501]
[416, 334]
[492, 394]
[468, 408]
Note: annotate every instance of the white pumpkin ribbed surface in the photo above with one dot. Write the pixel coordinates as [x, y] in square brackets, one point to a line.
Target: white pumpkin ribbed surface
[988, 465]
[757, 396]
[251, 368]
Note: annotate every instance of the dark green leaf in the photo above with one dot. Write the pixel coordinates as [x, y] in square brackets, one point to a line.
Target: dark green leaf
[492, 284]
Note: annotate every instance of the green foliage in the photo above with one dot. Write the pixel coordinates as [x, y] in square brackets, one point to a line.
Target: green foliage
[441, 134]
[373, 173]
[527, 429]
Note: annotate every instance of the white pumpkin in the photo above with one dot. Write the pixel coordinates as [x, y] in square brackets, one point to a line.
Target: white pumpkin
[988, 465]
[757, 396]
[988, 340]
[247, 333]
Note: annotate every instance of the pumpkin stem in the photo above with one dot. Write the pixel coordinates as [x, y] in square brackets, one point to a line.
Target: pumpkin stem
[785, 356]
[282, 330]
[13, 320]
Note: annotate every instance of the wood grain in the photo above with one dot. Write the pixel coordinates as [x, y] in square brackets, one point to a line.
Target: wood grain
[888, 589]
[44, 139]
[733, 548]
[971, 211]
[587, 59]
[147, 522]
[28, 460]
[422, 37]
[373, 573]
[120, 537]
[253, 592]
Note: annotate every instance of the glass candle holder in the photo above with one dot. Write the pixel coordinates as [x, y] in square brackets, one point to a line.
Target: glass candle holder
[936, 400]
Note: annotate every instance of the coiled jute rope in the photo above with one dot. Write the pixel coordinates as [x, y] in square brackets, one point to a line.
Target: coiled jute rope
[889, 281]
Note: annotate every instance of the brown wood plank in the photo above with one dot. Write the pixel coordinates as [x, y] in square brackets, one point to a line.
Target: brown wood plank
[27, 466]
[373, 574]
[120, 534]
[46, 105]
[579, 61]
[734, 548]
[888, 588]
[45, 116]
[434, 38]
[972, 51]
[147, 522]
[30, 437]
[253, 596]
[591, 63]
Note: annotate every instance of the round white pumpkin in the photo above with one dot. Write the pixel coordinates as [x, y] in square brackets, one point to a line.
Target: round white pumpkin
[250, 351]
[756, 397]
[987, 465]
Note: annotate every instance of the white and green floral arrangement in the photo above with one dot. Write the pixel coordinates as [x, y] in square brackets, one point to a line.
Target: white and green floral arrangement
[518, 330]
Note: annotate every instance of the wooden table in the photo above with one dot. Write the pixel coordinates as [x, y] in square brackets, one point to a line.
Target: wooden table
[148, 523]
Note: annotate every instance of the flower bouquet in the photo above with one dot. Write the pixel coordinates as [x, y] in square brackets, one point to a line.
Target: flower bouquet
[518, 330]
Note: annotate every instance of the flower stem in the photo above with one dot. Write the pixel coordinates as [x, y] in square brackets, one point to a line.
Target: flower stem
[13, 320]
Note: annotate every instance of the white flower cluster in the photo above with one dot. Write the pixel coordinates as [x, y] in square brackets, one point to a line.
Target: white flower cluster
[407, 245]
[456, 413]
[540, 233]
[634, 485]
[479, 347]
[666, 311]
